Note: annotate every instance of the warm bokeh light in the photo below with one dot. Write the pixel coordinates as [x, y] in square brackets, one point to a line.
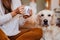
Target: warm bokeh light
[48, 2]
[33, 0]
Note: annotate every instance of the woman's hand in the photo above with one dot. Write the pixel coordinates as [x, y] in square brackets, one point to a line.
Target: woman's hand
[13, 13]
[19, 10]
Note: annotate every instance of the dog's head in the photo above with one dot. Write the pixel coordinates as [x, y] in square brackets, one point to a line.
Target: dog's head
[46, 18]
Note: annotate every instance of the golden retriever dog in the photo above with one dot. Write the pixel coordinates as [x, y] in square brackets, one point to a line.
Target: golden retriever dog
[46, 20]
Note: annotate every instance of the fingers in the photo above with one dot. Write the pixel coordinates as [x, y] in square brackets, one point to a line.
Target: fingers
[21, 9]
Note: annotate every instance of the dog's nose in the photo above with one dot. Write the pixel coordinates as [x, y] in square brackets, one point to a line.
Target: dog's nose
[45, 21]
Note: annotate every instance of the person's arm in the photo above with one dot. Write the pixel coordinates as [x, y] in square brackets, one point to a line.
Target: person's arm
[7, 17]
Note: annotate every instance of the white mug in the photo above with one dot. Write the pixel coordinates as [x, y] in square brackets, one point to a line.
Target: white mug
[26, 10]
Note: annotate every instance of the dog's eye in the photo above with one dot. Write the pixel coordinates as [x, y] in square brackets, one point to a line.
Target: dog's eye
[49, 15]
[42, 14]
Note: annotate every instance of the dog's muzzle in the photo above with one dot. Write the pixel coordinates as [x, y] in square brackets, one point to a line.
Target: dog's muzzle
[45, 22]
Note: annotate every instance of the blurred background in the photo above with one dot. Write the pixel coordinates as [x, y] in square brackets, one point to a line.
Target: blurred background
[46, 4]
[40, 4]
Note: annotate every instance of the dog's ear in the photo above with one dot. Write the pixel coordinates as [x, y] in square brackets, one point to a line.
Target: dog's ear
[53, 21]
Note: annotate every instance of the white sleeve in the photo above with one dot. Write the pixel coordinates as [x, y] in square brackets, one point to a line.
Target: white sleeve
[21, 20]
[5, 18]
[15, 4]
